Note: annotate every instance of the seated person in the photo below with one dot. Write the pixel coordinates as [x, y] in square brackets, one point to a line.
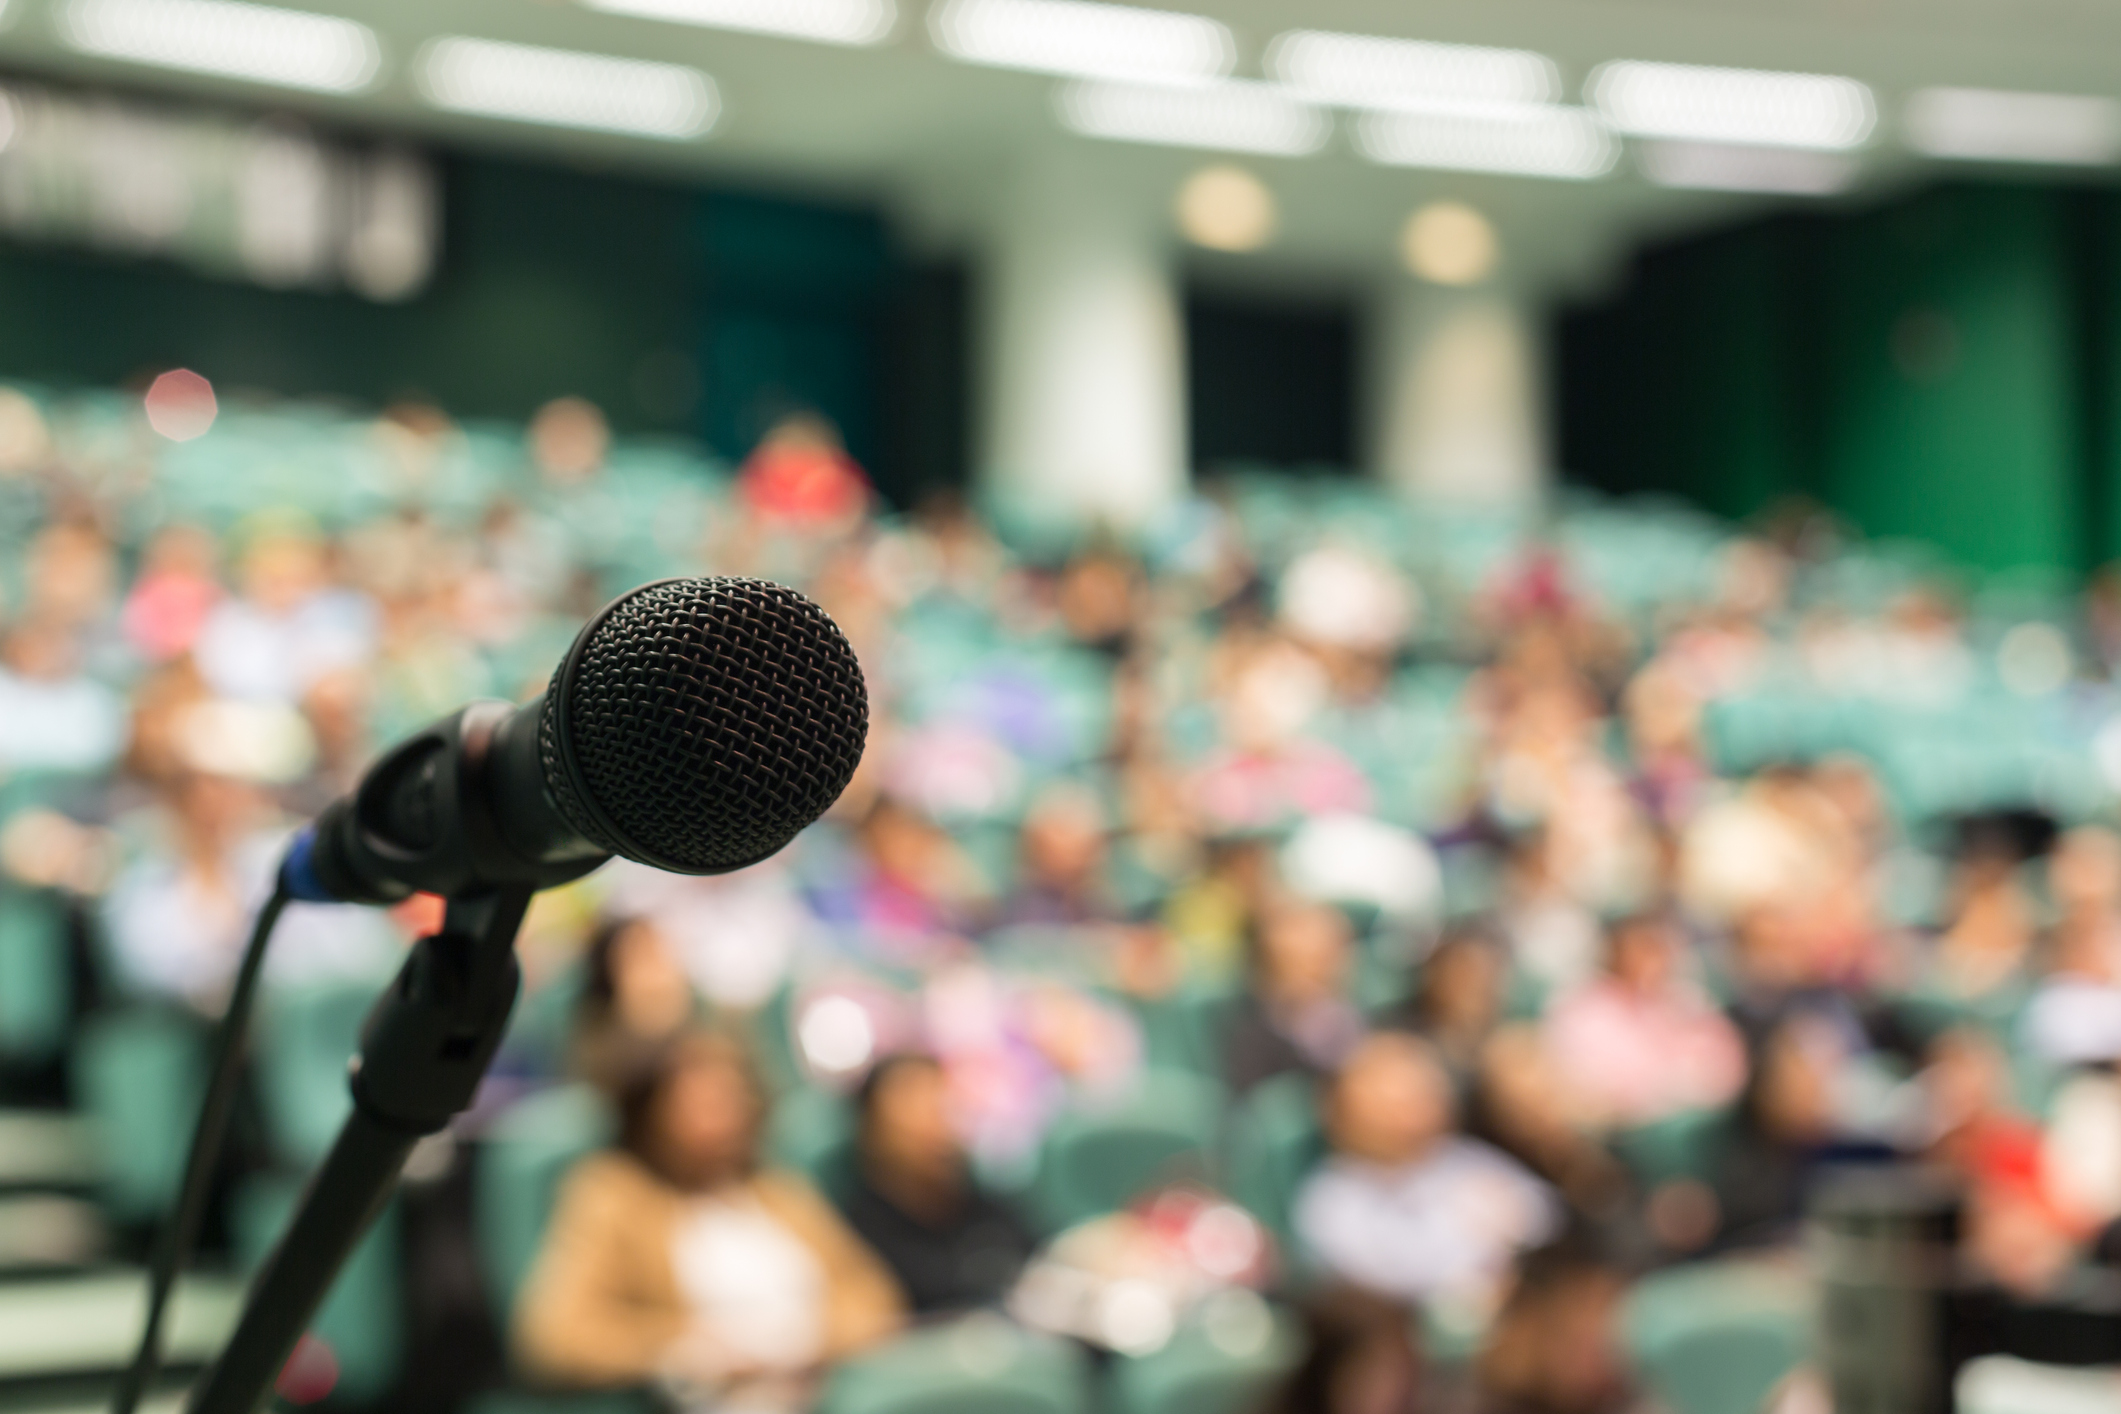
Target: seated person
[1295, 1014]
[1641, 1042]
[1458, 1002]
[635, 998]
[1406, 1206]
[913, 1198]
[1555, 1347]
[674, 1258]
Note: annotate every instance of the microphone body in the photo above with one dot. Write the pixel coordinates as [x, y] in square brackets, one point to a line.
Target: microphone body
[459, 808]
[695, 725]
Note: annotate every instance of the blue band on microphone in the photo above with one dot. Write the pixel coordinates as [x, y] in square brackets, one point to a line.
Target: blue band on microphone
[298, 874]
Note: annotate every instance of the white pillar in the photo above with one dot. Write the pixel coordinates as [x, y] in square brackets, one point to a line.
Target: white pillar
[1457, 397]
[1084, 395]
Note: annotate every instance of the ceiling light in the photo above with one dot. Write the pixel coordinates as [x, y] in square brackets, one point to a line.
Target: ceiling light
[1709, 166]
[1233, 116]
[1082, 38]
[1733, 105]
[1530, 140]
[562, 88]
[291, 48]
[826, 21]
[1449, 243]
[1365, 71]
[1226, 208]
[1986, 125]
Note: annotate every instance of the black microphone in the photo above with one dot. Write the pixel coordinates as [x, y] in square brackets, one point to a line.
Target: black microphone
[696, 725]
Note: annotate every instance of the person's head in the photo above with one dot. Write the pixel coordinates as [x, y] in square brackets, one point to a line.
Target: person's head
[903, 1126]
[1555, 1345]
[635, 979]
[1642, 952]
[1462, 981]
[1361, 1358]
[1390, 1102]
[1790, 1094]
[1301, 951]
[1966, 1076]
[41, 650]
[693, 1114]
[2084, 873]
[1063, 839]
[281, 567]
[568, 440]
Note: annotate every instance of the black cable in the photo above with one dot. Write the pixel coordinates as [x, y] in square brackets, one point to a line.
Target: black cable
[174, 1245]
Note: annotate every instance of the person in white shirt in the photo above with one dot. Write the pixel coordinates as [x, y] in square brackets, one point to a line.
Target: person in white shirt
[1406, 1206]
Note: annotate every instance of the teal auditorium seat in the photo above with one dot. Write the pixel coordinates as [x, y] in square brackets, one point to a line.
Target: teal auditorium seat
[523, 1158]
[362, 1320]
[1100, 1155]
[1274, 1141]
[1222, 1365]
[139, 1076]
[981, 1365]
[1716, 1338]
[36, 976]
[307, 1037]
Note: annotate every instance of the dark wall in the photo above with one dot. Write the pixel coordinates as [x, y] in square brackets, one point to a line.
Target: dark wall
[675, 309]
[1270, 381]
[1934, 368]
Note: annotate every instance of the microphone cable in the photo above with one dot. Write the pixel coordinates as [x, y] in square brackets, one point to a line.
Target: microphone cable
[174, 1244]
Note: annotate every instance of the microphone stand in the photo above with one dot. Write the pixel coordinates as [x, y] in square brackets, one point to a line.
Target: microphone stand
[423, 1051]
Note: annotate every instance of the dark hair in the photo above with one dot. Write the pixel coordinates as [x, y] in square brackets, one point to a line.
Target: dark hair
[872, 1086]
[1342, 1325]
[642, 1088]
[599, 985]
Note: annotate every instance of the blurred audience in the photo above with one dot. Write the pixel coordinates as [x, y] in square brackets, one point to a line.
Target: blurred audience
[675, 1259]
[913, 1198]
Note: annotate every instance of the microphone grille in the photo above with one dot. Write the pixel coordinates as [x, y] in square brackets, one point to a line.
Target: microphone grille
[699, 724]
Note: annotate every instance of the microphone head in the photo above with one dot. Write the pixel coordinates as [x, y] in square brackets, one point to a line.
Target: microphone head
[697, 725]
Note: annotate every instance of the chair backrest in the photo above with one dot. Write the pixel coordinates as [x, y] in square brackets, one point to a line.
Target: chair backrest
[1099, 1156]
[307, 1036]
[36, 973]
[525, 1155]
[139, 1076]
[1716, 1338]
[980, 1365]
[1222, 1365]
[1274, 1140]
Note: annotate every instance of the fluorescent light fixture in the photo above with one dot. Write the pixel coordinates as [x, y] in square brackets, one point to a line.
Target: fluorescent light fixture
[1733, 105]
[1233, 116]
[1085, 39]
[565, 89]
[1525, 139]
[1366, 71]
[1988, 125]
[262, 43]
[826, 21]
[1711, 166]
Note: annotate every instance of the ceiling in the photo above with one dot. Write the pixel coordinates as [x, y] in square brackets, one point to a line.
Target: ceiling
[929, 137]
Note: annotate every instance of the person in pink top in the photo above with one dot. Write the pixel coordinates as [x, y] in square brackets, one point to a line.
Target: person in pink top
[1641, 1041]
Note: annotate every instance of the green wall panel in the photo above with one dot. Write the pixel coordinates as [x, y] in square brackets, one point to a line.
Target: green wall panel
[1946, 377]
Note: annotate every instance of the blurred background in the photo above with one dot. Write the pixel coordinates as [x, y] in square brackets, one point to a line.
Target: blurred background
[1495, 737]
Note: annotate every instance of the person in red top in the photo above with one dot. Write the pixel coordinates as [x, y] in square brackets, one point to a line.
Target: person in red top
[801, 477]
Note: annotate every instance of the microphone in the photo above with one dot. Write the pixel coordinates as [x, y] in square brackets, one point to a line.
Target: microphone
[695, 725]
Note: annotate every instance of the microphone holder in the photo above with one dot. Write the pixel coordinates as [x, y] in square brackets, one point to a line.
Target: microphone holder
[424, 1050]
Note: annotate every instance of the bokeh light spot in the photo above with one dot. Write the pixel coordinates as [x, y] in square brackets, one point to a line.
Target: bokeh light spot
[1226, 208]
[180, 405]
[1449, 243]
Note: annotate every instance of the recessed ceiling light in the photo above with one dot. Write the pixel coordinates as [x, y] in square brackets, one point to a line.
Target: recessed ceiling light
[1366, 71]
[1449, 243]
[826, 21]
[1689, 101]
[262, 43]
[563, 88]
[1527, 140]
[1232, 116]
[1989, 125]
[1226, 208]
[1083, 38]
[1709, 166]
